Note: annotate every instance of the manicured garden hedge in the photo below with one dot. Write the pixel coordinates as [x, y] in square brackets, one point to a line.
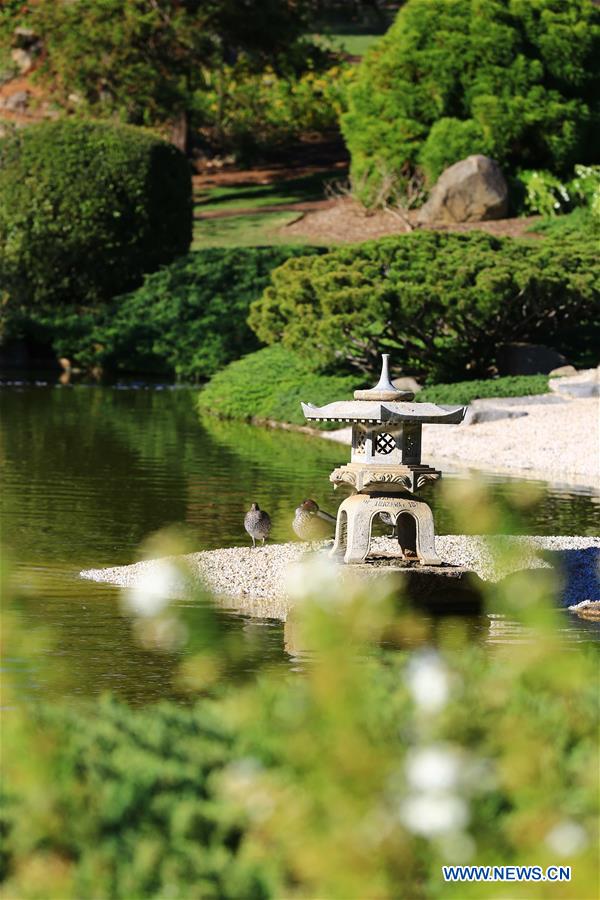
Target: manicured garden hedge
[515, 80]
[86, 209]
[271, 384]
[467, 391]
[440, 303]
[187, 320]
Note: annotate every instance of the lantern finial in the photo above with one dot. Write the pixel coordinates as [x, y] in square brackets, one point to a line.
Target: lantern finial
[384, 389]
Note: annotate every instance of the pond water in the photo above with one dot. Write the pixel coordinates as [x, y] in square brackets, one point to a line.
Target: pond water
[88, 472]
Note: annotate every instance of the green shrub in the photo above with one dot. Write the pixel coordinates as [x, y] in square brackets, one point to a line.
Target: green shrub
[547, 195]
[578, 224]
[404, 743]
[440, 303]
[86, 209]
[448, 141]
[249, 112]
[544, 193]
[271, 384]
[521, 78]
[467, 391]
[190, 318]
[187, 320]
[131, 792]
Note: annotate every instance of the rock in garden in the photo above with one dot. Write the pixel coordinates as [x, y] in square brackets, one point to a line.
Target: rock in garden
[584, 384]
[563, 371]
[527, 359]
[23, 60]
[469, 191]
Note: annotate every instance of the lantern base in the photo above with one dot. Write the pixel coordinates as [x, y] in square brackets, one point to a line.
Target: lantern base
[412, 518]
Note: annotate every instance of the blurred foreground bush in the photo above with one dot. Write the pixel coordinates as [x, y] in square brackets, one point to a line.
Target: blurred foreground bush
[357, 777]
[86, 209]
[441, 303]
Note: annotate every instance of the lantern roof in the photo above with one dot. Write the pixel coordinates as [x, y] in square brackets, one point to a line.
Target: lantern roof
[384, 404]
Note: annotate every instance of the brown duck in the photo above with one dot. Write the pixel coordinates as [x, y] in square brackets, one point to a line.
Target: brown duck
[311, 523]
[257, 523]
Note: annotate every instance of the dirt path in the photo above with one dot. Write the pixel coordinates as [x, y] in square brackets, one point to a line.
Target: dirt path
[334, 220]
[345, 221]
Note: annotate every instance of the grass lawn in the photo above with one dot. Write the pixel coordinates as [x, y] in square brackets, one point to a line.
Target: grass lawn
[253, 196]
[257, 230]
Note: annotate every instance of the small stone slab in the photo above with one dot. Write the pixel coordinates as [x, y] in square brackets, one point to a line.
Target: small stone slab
[443, 589]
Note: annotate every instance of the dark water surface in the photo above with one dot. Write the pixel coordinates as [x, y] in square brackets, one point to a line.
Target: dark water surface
[88, 472]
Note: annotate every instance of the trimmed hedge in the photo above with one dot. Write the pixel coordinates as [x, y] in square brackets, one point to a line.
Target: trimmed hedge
[190, 318]
[440, 303]
[86, 209]
[187, 320]
[467, 391]
[271, 384]
[519, 81]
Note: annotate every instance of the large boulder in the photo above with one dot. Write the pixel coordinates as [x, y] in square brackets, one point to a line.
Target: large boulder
[527, 359]
[469, 191]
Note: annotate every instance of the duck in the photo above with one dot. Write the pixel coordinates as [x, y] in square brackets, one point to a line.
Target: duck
[257, 523]
[312, 523]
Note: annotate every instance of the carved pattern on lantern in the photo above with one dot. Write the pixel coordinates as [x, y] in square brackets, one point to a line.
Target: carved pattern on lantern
[360, 440]
[384, 443]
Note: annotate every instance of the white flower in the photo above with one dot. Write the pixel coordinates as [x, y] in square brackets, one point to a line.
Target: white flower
[432, 769]
[316, 578]
[567, 838]
[152, 589]
[428, 681]
[243, 782]
[434, 814]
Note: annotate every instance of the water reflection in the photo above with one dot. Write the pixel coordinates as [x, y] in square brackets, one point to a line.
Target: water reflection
[88, 472]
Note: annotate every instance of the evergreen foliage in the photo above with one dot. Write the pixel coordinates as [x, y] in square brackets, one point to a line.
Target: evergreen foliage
[394, 751]
[440, 303]
[187, 320]
[133, 804]
[270, 385]
[142, 62]
[466, 391]
[516, 80]
[86, 209]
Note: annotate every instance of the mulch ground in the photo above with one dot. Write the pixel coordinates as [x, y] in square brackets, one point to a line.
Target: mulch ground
[334, 220]
[345, 221]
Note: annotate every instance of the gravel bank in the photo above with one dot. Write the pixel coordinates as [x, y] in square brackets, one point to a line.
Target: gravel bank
[557, 441]
[254, 581]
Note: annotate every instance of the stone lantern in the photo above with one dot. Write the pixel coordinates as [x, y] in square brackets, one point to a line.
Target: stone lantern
[385, 469]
